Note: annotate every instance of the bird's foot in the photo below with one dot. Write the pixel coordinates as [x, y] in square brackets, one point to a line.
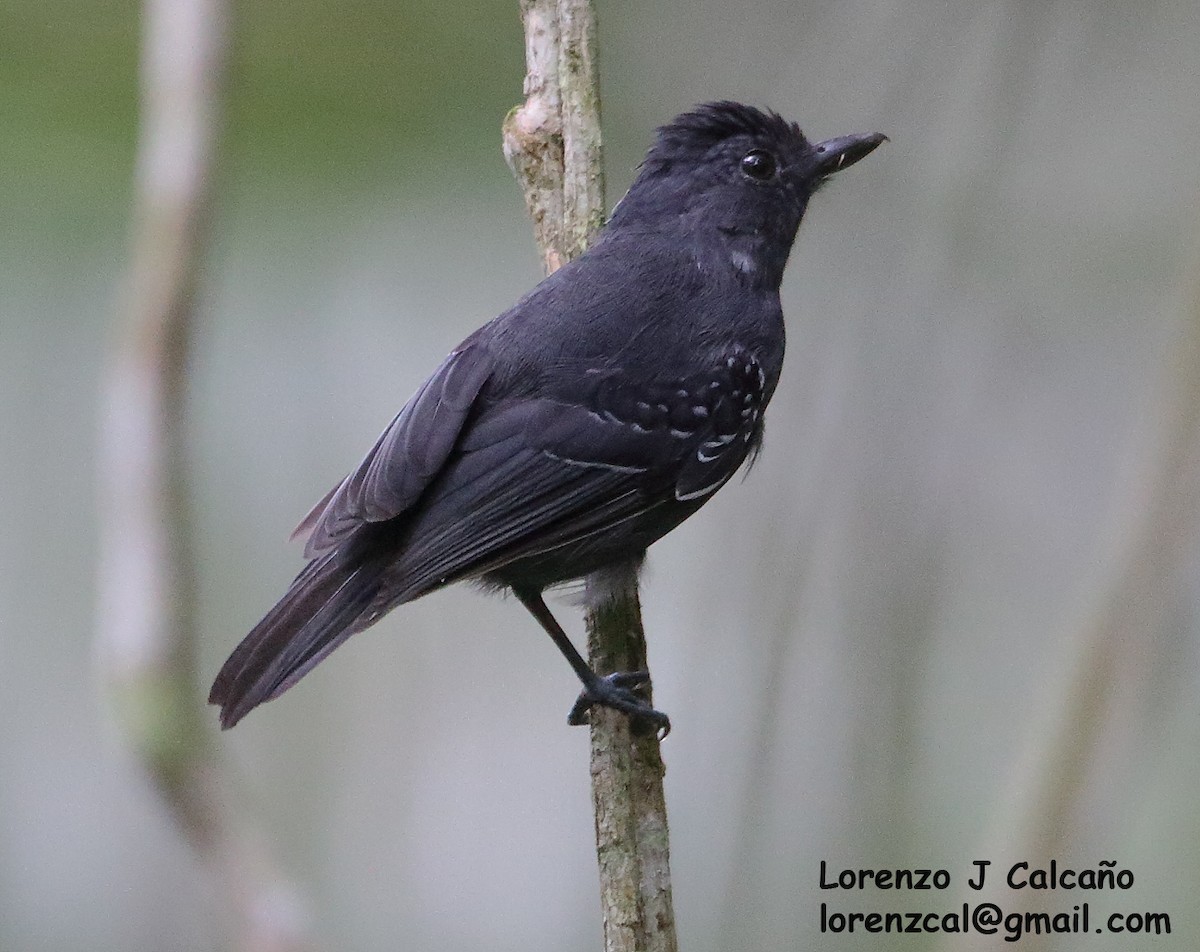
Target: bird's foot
[620, 692]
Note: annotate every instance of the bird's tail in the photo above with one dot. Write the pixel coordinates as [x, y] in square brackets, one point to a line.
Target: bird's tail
[323, 607]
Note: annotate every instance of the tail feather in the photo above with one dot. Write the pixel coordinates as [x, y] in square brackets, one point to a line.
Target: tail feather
[322, 609]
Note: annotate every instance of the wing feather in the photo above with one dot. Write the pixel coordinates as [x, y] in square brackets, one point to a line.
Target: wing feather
[405, 458]
[503, 495]
[532, 475]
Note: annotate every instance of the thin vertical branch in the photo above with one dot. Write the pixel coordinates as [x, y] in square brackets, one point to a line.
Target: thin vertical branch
[579, 93]
[632, 837]
[533, 132]
[146, 627]
[552, 142]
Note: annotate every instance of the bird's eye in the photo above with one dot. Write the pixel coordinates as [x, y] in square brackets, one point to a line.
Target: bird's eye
[759, 165]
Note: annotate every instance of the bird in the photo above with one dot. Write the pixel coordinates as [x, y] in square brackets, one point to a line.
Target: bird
[578, 427]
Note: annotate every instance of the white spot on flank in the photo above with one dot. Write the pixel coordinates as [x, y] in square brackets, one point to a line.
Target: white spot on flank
[742, 261]
[704, 453]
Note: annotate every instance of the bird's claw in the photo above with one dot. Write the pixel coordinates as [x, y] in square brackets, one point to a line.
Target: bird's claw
[619, 691]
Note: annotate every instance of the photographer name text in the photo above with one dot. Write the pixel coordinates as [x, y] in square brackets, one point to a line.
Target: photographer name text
[1020, 876]
[989, 918]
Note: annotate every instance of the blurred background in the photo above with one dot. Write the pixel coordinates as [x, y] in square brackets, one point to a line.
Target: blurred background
[951, 615]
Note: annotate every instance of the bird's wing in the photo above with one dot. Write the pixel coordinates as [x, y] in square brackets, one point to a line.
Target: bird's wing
[505, 494]
[737, 397]
[405, 458]
[534, 475]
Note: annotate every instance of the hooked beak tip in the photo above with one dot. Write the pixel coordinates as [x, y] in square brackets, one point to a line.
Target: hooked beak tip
[833, 155]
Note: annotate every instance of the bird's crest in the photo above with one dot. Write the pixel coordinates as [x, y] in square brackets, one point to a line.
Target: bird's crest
[697, 131]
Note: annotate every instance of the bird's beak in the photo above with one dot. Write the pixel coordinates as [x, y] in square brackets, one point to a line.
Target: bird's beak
[833, 155]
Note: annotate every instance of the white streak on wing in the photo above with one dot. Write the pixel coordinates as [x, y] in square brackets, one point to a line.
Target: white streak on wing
[704, 490]
[612, 467]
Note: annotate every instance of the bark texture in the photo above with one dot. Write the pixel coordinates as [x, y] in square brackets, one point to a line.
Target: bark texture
[552, 142]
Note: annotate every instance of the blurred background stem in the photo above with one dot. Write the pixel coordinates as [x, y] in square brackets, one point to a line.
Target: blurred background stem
[147, 628]
[553, 144]
[1107, 663]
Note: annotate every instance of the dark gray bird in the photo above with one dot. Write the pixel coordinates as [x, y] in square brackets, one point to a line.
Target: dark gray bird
[580, 426]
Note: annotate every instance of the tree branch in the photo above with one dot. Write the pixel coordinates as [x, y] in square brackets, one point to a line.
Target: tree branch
[552, 142]
[146, 626]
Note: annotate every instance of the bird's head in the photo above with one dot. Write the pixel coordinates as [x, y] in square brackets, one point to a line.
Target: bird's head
[735, 175]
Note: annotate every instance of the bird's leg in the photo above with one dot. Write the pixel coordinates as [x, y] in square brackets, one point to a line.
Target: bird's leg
[617, 690]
